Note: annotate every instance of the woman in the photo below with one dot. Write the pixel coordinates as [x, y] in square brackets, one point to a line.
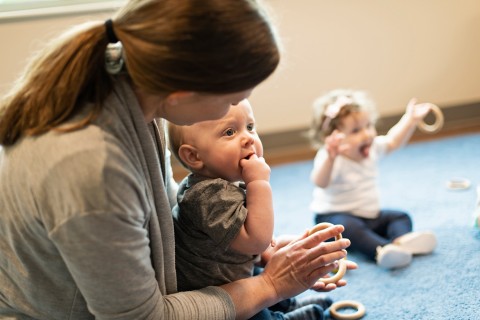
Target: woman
[85, 223]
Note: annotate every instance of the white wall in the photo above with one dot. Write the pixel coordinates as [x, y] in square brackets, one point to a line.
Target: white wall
[20, 38]
[393, 49]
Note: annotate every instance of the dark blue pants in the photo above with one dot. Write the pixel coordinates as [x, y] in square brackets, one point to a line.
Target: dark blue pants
[367, 234]
[267, 314]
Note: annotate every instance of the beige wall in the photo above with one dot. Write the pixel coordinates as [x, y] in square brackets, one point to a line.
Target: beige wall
[393, 49]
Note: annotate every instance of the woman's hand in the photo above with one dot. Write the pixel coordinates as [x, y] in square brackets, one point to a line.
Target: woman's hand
[277, 243]
[296, 266]
[284, 240]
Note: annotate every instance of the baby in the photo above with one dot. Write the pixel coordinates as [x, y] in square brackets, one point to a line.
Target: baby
[345, 177]
[224, 217]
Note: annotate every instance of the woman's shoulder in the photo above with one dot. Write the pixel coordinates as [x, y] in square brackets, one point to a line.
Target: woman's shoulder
[87, 162]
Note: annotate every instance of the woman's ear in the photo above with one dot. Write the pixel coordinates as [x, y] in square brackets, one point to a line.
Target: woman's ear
[177, 97]
[189, 157]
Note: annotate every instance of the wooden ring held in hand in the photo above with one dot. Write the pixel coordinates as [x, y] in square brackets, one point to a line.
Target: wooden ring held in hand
[437, 125]
[342, 264]
[347, 304]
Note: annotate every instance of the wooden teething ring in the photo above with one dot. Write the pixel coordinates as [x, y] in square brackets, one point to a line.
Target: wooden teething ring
[458, 184]
[437, 125]
[347, 304]
[342, 265]
[342, 268]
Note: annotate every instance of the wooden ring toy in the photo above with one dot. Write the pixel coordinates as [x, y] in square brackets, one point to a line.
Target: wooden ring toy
[347, 304]
[342, 265]
[437, 125]
[458, 184]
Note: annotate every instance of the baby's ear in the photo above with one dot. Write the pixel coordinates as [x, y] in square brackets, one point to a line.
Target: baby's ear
[189, 156]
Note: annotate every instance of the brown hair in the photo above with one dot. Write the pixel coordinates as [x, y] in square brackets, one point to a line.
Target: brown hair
[211, 46]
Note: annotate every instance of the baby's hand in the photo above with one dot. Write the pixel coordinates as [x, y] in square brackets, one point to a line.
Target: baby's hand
[417, 111]
[254, 168]
[334, 144]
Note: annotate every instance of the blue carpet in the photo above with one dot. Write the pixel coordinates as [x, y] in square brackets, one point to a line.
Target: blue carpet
[443, 285]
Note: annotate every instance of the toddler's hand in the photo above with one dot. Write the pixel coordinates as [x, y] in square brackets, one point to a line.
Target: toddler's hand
[417, 111]
[254, 168]
[334, 144]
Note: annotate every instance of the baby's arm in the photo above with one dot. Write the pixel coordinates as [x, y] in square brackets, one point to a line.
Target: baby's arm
[400, 133]
[321, 172]
[256, 234]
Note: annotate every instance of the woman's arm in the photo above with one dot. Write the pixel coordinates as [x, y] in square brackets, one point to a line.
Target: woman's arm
[291, 270]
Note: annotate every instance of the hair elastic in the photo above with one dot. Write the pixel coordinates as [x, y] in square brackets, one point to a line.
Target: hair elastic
[114, 58]
[111, 36]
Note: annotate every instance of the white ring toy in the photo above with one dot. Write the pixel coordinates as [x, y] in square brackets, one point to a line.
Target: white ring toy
[437, 125]
[458, 184]
[342, 265]
[347, 304]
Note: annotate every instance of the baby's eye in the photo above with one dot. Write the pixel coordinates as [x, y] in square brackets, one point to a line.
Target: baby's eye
[250, 126]
[229, 132]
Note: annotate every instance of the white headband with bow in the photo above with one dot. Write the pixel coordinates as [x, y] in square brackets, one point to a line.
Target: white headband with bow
[333, 109]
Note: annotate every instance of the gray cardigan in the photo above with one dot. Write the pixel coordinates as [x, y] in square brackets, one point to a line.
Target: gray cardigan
[85, 225]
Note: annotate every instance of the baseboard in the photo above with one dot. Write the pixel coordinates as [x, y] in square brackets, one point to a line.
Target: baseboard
[457, 118]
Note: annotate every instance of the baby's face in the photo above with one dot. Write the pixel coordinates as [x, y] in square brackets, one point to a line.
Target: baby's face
[222, 143]
[359, 134]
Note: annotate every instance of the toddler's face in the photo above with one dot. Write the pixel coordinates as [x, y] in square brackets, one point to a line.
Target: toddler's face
[359, 134]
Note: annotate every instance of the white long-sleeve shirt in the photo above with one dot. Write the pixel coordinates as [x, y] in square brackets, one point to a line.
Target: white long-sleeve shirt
[353, 185]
